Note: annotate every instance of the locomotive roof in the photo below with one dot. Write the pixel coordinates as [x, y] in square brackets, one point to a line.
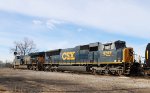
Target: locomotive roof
[85, 46]
[118, 41]
[54, 50]
[148, 44]
[37, 54]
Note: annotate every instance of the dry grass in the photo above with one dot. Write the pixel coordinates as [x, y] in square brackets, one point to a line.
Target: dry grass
[26, 81]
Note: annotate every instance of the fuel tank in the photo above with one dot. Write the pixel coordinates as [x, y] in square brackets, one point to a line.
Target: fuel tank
[72, 68]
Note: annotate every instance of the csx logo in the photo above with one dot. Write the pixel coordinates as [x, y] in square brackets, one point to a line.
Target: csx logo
[107, 53]
[68, 56]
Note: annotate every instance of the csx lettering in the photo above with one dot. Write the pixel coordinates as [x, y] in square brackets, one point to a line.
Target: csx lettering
[107, 53]
[68, 56]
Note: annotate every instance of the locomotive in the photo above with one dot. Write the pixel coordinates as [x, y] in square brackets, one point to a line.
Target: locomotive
[108, 58]
[147, 55]
[146, 66]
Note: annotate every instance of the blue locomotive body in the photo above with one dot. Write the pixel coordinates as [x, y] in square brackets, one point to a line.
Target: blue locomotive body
[112, 57]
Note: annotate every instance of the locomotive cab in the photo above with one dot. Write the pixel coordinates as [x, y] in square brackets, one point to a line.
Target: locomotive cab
[118, 52]
[128, 55]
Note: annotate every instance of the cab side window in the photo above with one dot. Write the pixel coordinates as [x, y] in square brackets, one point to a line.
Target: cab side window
[108, 47]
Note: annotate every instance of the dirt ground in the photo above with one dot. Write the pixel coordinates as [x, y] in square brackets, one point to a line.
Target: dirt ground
[26, 81]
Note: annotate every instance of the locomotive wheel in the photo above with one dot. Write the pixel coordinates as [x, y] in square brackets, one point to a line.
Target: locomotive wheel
[14, 67]
[94, 71]
[52, 70]
[31, 68]
[28, 67]
[34, 67]
[120, 72]
[102, 72]
[46, 68]
[117, 73]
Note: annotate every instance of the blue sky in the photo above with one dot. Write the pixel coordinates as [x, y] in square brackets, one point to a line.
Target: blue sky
[53, 24]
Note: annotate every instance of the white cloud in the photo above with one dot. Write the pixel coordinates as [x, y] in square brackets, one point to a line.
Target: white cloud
[51, 24]
[115, 16]
[37, 22]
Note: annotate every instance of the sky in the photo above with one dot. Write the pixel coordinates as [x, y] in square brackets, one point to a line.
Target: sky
[58, 24]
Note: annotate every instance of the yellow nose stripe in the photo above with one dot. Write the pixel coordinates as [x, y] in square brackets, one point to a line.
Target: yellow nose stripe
[147, 54]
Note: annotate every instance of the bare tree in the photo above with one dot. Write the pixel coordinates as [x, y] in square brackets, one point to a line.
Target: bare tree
[24, 47]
